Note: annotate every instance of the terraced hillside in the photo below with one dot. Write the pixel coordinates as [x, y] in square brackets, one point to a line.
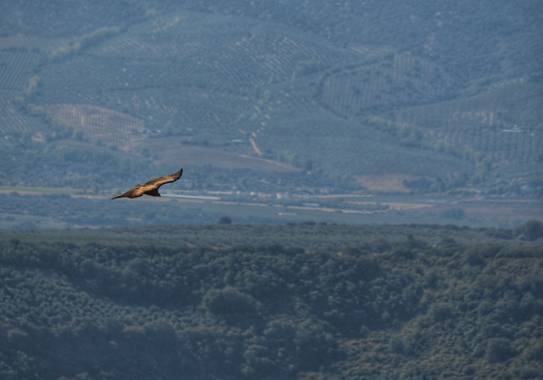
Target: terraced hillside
[435, 96]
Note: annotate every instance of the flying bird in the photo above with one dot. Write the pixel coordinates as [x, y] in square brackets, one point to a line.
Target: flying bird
[151, 187]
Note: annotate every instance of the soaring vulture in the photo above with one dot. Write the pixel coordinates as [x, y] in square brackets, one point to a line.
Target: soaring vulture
[151, 187]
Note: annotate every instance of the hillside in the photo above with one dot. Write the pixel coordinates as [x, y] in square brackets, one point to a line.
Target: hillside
[263, 302]
[436, 96]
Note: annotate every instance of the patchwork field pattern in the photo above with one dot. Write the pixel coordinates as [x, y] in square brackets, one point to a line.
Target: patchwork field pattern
[336, 91]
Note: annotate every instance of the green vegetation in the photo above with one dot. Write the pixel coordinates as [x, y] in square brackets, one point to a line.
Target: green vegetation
[272, 302]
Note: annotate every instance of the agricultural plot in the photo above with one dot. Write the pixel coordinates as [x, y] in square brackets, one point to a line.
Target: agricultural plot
[185, 111]
[503, 123]
[13, 122]
[37, 18]
[97, 123]
[397, 80]
[22, 42]
[297, 129]
[213, 69]
[182, 77]
[81, 79]
[222, 41]
[16, 67]
[336, 90]
[346, 155]
[167, 150]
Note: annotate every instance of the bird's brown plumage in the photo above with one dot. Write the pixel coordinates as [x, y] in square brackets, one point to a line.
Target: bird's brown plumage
[151, 187]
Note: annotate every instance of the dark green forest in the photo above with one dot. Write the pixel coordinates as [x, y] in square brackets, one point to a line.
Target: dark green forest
[300, 301]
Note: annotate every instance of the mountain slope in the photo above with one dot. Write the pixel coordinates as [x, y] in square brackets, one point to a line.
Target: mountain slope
[442, 93]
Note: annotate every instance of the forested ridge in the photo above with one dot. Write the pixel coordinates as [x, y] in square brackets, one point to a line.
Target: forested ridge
[272, 302]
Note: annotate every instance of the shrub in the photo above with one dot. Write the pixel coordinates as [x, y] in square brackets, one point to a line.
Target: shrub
[229, 301]
[535, 352]
[474, 258]
[396, 345]
[441, 312]
[256, 361]
[315, 345]
[498, 350]
[225, 220]
[531, 230]
[454, 213]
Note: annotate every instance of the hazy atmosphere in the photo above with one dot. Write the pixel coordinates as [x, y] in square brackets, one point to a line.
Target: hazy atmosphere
[356, 112]
[361, 194]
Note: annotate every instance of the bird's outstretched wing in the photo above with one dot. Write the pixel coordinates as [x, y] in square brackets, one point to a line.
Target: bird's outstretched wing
[129, 194]
[157, 182]
[151, 187]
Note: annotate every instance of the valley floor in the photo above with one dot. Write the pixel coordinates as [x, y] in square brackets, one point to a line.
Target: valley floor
[49, 207]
